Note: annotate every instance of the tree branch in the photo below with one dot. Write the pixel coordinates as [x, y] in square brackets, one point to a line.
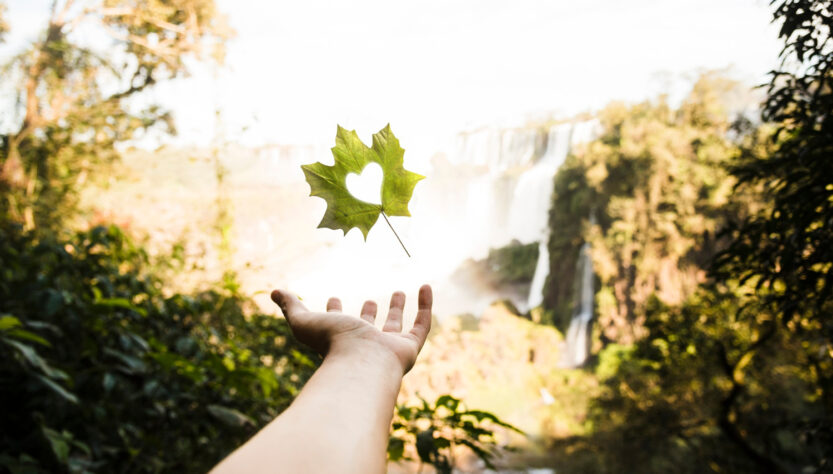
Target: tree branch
[727, 426]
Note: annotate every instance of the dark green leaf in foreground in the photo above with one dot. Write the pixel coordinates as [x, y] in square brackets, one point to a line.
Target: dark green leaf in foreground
[344, 211]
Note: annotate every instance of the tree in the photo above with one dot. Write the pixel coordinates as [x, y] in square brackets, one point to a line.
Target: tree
[788, 247]
[786, 250]
[711, 388]
[649, 195]
[75, 98]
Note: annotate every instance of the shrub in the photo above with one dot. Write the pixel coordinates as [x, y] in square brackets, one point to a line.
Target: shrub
[102, 371]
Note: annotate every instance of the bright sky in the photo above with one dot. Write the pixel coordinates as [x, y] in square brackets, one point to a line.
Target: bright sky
[434, 67]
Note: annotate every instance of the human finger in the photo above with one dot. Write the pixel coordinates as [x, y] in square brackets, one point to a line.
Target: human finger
[394, 321]
[422, 323]
[289, 303]
[369, 309]
[334, 305]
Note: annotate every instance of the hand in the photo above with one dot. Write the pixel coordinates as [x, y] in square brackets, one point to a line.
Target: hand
[335, 331]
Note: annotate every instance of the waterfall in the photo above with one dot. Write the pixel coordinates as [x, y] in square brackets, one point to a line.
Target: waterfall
[506, 178]
[561, 139]
[529, 211]
[497, 150]
[577, 344]
[542, 269]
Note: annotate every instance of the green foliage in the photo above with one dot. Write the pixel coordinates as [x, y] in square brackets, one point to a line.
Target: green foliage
[505, 270]
[649, 195]
[513, 263]
[435, 430]
[786, 249]
[611, 359]
[72, 100]
[344, 211]
[710, 388]
[101, 370]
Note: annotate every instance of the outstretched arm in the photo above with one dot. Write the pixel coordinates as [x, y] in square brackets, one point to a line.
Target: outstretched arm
[341, 419]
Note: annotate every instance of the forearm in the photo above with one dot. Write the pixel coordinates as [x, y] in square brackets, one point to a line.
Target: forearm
[338, 423]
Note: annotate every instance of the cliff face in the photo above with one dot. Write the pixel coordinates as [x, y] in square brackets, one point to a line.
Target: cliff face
[656, 184]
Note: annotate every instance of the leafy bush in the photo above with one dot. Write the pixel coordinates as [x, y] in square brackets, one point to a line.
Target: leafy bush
[712, 384]
[513, 263]
[101, 370]
[435, 430]
[504, 268]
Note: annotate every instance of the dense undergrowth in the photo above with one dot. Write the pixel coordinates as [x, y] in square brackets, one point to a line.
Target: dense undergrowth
[102, 370]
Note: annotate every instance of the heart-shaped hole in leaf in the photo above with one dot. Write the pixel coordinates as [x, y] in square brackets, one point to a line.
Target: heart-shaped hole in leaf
[366, 186]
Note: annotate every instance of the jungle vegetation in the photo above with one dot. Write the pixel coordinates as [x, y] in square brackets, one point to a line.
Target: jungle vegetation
[711, 237]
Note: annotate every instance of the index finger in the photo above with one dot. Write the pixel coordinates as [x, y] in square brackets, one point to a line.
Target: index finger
[289, 303]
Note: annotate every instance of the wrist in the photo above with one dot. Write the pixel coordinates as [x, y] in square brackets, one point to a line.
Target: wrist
[364, 353]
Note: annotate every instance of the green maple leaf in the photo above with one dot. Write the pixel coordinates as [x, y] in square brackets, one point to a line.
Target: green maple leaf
[345, 211]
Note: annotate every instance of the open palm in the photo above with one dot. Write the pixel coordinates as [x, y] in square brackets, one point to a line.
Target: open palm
[322, 331]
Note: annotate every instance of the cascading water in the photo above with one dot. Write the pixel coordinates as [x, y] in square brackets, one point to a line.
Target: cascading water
[539, 279]
[533, 191]
[561, 139]
[508, 191]
[577, 344]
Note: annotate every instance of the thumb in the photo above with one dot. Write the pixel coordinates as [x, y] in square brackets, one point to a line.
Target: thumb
[289, 303]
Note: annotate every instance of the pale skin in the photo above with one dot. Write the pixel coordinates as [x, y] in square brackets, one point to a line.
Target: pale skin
[341, 419]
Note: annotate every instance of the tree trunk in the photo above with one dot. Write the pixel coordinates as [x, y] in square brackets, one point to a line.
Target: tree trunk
[730, 430]
[12, 175]
[724, 421]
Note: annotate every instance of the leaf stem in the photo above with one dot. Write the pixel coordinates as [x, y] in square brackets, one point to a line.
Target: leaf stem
[394, 233]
